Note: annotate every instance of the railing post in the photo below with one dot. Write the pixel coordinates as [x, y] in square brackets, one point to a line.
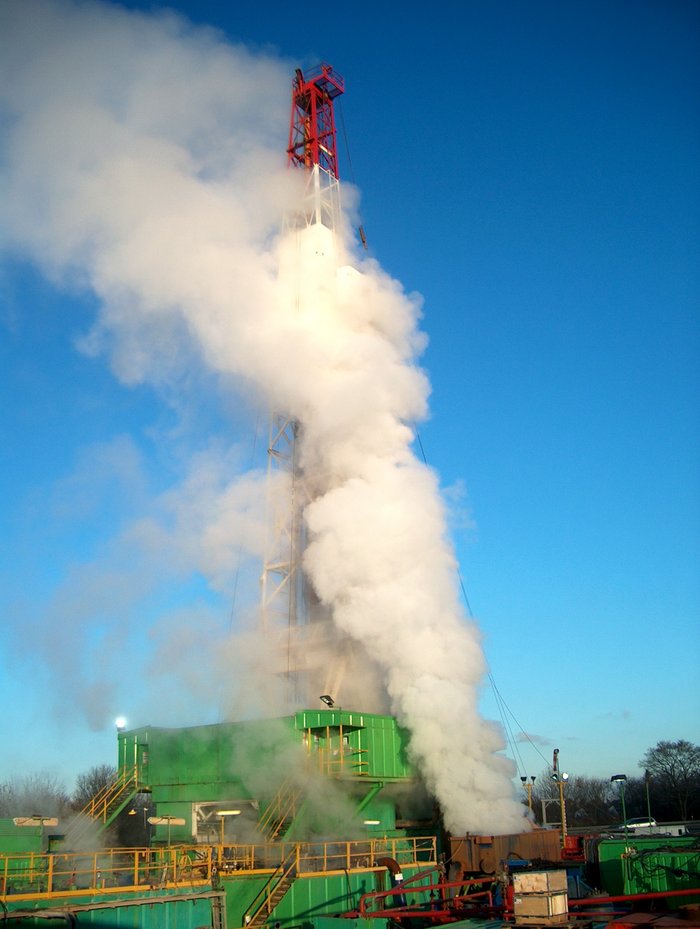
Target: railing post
[49, 875]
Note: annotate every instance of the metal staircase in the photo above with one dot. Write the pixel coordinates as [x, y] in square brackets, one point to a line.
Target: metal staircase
[264, 904]
[280, 813]
[102, 809]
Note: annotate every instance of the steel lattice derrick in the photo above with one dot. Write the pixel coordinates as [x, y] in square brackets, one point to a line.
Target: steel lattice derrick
[312, 135]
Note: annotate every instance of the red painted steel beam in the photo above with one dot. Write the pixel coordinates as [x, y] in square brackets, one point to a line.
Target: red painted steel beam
[312, 135]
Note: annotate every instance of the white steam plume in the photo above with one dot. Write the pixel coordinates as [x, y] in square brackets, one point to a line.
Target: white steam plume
[142, 158]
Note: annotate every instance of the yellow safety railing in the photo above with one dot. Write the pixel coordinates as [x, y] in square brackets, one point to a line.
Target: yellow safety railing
[103, 803]
[281, 810]
[340, 856]
[33, 876]
[334, 756]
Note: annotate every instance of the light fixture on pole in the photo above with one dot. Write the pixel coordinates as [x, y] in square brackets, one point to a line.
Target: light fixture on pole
[134, 812]
[528, 788]
[327, 699]
[35, 821]
[120, 723]
[222, 814]
[166, 820]
[621, 779]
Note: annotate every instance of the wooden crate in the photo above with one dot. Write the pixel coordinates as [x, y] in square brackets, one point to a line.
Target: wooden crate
[537, 882]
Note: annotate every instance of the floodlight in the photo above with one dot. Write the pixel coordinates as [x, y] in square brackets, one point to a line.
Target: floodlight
[327, 699]
[35, 821]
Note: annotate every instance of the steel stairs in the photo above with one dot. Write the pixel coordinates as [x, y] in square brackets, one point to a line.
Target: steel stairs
[102, 809]
[264, 904]
[280, 813]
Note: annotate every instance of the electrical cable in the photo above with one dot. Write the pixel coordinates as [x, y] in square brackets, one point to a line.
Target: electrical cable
[345, 141]
[501, 704]
[351, 173]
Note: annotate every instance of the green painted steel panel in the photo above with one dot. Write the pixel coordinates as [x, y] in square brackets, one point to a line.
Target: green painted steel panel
[183, 914]
[308, 897]
[241, 891]
[629, 863]
[149, 910]
[19, 839]
[379, 739]
[386, 749]
[199, 763]
[206, 755]
[335, 922]
[327, 894]
[659, 870]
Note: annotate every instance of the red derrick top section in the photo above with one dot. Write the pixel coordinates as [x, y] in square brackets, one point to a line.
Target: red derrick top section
[312, 126]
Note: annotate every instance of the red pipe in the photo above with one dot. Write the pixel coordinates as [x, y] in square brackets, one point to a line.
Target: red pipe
[405, 886]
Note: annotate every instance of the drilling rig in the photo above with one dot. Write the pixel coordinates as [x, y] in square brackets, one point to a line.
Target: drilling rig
[306, 647]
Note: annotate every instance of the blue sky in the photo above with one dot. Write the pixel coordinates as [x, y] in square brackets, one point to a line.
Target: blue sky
[531, 171]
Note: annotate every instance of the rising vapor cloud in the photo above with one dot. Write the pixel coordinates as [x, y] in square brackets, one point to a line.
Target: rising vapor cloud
[142, 161]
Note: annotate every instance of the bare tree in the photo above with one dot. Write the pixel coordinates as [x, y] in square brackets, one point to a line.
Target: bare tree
[90, 783]
[676, 768]
[40, 794]
[588, 800]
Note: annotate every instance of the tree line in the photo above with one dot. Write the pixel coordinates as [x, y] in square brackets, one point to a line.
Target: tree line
[669, 789]
[43, 794]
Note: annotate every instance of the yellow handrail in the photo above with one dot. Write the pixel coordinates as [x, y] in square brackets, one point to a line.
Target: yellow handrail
[97, 807]
[32, 876]
[282, 807]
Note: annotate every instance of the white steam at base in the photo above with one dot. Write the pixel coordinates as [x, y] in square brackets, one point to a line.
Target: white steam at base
[142, 159]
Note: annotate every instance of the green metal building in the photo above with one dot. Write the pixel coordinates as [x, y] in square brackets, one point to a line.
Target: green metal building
[316, 773]
[260, 822]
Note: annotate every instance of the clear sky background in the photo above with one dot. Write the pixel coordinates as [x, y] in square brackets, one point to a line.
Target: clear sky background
[531, 169]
